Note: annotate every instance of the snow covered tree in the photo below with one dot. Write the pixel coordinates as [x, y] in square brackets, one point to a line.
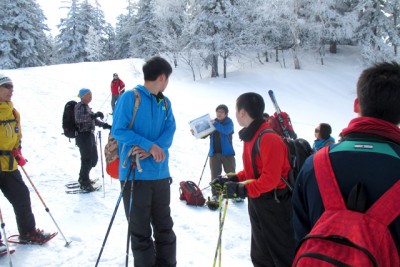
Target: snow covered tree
[72, 40]
[23, 42]
[145, 37]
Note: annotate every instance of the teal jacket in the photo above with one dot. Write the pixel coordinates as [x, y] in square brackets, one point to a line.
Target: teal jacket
[154, 124]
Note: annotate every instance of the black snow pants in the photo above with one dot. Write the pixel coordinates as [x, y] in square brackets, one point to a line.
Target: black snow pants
[88, 149]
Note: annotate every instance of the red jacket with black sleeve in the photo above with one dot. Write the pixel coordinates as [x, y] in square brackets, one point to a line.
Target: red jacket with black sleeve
[117, 86]
[271, 164]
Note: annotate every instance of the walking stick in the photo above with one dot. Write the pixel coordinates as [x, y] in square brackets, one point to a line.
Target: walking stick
[130, 211]
[201, 176]
[102, 167]
[221, 227]
[114, 213]
[46, 208]
[5, 239]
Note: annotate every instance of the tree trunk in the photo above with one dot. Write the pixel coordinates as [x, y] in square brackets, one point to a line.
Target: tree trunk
[214, 66]
[276, 55]
[333, 47]
[225, 67]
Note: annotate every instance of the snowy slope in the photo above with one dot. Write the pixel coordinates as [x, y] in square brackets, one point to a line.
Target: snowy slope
[312, 95]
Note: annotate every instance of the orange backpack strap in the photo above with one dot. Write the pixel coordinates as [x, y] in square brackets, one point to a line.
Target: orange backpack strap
[326, 180]
[136, 106]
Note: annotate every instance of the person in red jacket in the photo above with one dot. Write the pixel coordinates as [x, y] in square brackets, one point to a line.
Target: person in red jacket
[117, 88]
[269, 200]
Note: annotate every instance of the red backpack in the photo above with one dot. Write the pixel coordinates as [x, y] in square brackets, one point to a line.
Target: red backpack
[190, 192]
[342, 237]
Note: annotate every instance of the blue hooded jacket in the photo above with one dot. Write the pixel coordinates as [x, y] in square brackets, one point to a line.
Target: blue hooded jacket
[225, 129]
[154, 124]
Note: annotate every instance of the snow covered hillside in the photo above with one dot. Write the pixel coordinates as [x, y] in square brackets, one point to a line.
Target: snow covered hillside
[312, 95]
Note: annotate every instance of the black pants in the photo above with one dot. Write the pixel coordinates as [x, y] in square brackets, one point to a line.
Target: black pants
[272, 235]
[15, 190]
[87, 147]
[151, 218]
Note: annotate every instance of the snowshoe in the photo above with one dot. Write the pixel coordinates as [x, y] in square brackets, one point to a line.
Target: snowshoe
[37, 236]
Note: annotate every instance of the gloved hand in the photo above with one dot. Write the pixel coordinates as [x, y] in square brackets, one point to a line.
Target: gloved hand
[220, 181]
[234, 190]
[232, 177]
[106, 126]
[18, 156]
[98, 114]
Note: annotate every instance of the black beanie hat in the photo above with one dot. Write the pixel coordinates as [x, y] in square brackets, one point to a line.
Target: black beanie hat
[224, 107]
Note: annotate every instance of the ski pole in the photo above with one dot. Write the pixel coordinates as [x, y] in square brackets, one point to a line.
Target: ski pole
[114, 213]
[5, 239]
[46, 208]
[102, 168]
[201, 176]
[220, 233]
[105, 101]
[130, 211]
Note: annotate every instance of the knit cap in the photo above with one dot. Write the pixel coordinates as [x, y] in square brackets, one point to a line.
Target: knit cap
[83, 92]
[4, 79]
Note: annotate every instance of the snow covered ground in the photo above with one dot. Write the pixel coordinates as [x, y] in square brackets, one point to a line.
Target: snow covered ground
[312, 95]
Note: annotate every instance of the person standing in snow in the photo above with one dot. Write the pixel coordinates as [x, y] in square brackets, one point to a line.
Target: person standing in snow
[117, 88]
[86, 121]
[11, 183]
[374, 166]
[323, 136]
[221, 151]
[152, 237]
[269, 199]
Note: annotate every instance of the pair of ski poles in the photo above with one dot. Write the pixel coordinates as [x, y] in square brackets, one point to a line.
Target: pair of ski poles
[222, 216]
[134, 164]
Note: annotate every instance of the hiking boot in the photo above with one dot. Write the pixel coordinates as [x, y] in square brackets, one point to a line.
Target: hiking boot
[35, 237]
[88, 188]
[3, 247]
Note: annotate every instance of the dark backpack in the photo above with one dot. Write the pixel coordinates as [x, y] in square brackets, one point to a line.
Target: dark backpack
[190, 192]
[343, 237]
[68, 120]
[298, 151]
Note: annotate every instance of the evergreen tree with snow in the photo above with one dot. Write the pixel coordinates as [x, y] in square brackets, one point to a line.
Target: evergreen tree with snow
[23, 42]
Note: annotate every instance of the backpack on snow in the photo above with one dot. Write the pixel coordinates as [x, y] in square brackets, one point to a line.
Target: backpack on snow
[342, 237]
[298, 151]
[68, 120]
[111, 148]
[190, 192]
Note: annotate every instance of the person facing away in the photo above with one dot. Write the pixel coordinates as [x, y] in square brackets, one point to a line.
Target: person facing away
[86, 121]
[378, 109]
[221, 151]
[148, 189]
[11, 183]
[323, 136]
[117, 88]
[269, 200]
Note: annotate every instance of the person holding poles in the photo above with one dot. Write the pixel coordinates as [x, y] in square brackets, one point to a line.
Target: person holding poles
[11, 183]
[146, 194]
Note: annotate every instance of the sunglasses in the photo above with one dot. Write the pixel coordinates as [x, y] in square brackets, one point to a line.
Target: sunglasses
[7, 85]
[316, 130]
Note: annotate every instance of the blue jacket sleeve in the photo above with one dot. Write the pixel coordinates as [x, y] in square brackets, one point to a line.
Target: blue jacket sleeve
[226, 128]
[165, 139]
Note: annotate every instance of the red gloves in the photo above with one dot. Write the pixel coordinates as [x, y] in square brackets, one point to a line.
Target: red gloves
[18, 156]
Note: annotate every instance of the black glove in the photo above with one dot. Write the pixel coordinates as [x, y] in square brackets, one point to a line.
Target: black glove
[98, 115]
[220, 181]
[234, 190]
[106, 126]
[233, 178]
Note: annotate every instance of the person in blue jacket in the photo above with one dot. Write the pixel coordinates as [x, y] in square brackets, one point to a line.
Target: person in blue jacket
[221, 151]
[146, 143]
[373, 165]
[323, 136]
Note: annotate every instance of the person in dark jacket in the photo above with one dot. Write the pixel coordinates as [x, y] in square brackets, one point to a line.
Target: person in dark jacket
[376, 170]
[269, 200]
[323, 136]
[146, 194]
[86, 121]
[221, 151]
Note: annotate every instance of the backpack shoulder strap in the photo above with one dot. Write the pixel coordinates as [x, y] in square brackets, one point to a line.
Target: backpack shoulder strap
[256, 150]
[387, 207]
[326, 180]
[135, 106]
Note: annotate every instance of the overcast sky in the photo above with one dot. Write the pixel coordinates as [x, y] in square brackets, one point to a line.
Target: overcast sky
[54, 12]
